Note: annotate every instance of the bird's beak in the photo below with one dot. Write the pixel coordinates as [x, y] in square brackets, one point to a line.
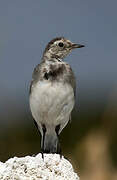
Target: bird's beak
[77, 46]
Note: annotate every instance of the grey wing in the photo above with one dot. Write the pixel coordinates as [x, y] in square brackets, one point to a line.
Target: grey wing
[72, 82]
[35, 76]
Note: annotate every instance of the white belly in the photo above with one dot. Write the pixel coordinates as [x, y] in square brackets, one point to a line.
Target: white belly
[52, 103]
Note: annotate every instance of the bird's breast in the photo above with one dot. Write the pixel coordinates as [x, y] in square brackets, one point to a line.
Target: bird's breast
[51, 100]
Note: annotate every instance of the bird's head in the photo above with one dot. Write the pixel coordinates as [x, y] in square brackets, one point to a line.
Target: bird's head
[60, 48]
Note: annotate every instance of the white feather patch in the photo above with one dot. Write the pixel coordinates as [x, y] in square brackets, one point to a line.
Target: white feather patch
[52, 103]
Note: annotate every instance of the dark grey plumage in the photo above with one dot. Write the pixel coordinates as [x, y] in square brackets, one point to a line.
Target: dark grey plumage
[58, 71]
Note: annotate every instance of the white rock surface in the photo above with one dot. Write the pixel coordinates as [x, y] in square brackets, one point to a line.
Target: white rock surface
[35, 168]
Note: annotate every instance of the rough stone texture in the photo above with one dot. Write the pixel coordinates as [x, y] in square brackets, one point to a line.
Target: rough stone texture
[35, 168]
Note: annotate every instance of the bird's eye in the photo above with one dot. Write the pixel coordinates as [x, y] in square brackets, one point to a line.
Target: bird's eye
[60, 44]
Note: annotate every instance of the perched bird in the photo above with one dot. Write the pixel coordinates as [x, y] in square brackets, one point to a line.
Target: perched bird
[52, 93]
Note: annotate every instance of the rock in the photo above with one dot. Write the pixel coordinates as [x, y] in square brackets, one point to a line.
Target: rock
[52, 167]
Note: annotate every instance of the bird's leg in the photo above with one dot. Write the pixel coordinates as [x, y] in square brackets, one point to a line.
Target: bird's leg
[59, 147]
[57, 128]
[43, 138]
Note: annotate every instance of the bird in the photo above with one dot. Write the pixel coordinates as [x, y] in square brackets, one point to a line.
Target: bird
[52, 93]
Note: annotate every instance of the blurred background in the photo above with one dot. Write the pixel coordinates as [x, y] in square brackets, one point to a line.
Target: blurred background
[90, 141]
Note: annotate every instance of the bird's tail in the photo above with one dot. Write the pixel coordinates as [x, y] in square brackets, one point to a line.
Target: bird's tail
[50, 143]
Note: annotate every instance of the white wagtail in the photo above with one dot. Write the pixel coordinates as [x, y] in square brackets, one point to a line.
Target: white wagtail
[52, 93]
